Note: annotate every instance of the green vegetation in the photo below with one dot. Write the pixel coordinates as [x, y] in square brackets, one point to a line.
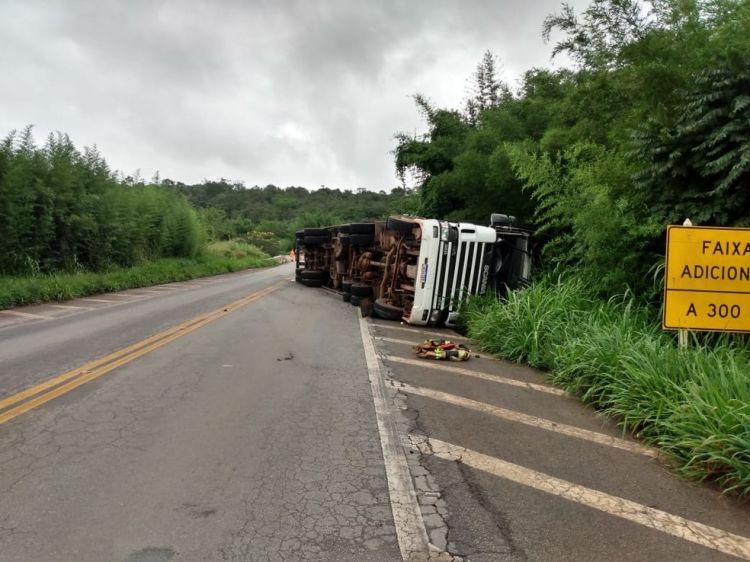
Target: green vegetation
[269, 216]
[69, 227]
[63, 210]
[693, 404]
[652, 126]
[15, 291]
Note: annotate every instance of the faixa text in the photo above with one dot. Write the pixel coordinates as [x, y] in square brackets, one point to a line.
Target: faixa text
[725, 248]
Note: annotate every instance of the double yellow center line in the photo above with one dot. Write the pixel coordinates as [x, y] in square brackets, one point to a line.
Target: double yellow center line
[30, 398]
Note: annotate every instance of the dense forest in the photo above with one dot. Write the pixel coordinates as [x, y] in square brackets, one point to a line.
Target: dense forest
[268, 216]
[650, 127]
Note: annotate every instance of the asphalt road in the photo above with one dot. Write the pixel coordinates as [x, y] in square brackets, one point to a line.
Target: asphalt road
[285, 427]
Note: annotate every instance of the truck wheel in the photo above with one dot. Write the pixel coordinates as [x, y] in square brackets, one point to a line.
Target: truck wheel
[361, 239]
[356, 300]
[362, 228]
[361, 290]
[313, 274]
[315, 232]
[387, 311]
[346, 297]
[313, 282]
[315, 240]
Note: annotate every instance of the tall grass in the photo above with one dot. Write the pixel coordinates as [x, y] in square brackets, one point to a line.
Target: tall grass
[222, 258]
[694, 404]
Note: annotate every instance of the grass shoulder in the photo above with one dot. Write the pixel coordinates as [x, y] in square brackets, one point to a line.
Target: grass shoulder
[217, 258]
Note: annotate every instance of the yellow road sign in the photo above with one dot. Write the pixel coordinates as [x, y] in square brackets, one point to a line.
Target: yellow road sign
[707, 279]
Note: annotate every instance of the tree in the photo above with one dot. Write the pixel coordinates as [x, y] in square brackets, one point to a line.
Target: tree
[700, 166]
[608, 26]
[485, 88]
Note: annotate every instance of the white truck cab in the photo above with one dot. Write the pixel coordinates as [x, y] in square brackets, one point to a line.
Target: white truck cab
[454, 262]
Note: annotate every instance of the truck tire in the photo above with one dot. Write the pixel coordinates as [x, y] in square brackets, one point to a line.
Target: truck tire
[361, 290]
[387, 311]
[315, 240]
[313, 282]
[356, 300]
[346, 285]
[315, 232]
[346, 297]
[313, 274]
[361, 239]
[362, 228]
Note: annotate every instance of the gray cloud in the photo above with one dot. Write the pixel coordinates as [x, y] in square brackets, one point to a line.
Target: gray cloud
[288, 92]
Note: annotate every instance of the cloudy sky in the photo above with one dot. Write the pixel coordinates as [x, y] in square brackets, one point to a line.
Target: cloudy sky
[290, 92]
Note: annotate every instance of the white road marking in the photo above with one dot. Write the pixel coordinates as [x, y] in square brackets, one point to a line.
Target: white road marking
[149, 291]
[412, 344]
[699, 533]
[24, 314]
[432, 364]
[541, 423]
[71, 307]
[407, 516]
[99, 300]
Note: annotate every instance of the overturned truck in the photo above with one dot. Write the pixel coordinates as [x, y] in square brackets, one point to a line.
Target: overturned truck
[414, 269]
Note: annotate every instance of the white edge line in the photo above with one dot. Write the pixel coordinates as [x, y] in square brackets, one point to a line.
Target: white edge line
[71, 307]
[25, 314]
[432, 364]
[149, 291]
[692, 531]
[533, 421]
[407, 516]
[100, 300]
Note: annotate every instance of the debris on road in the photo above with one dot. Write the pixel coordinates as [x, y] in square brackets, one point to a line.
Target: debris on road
[442, 350]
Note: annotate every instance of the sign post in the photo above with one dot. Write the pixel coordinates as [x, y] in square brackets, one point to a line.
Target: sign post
[707, 285]
[682, 335]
